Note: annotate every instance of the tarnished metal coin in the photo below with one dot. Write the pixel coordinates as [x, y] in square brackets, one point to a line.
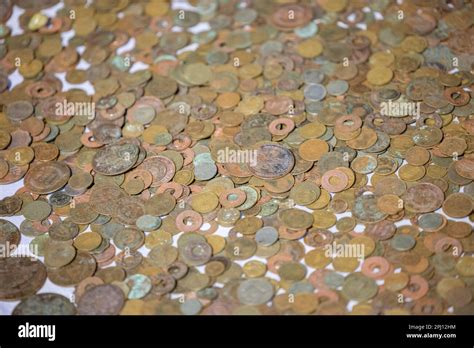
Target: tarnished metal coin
[20, 277]
[47, 177]
[272, 161]
[115, 159]
[45, 304]
[104, 299]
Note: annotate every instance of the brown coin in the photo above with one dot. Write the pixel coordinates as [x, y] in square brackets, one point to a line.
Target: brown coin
[10, 205]
[161, 168]
[20, 277]
[313, 149]
[423, 198]
[104, 198]
[103, 299]
[458, 205]
[4, 167]
[272, 161]
[9, 234]
[283, 21]
[115, 159]
[47, 177]
[465, 168]
[83, 266]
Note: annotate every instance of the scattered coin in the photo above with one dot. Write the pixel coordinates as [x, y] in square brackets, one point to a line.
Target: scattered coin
[292, 159]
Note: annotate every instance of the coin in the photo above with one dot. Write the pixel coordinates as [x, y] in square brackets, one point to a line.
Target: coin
[457, 205]
[36, 210]
[423, 198]
[313, 149]
[59, 254]
[266, 236]
[272, 161]
[359, 287]
[20, 277]
[57, 174]
[19, 110]
[115, 159]
[259, 144]
[45, 304]
[9, 234]
[255, 291]
[83, 266]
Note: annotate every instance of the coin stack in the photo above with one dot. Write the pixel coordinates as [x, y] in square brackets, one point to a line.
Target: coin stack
[237, 157]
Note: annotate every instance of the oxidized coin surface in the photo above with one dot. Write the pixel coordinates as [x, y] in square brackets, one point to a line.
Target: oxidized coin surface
[272, 161]
[423, 198]
[45, 304]
[20, 277]
[9, 234]
[104, 299]
[115, 159]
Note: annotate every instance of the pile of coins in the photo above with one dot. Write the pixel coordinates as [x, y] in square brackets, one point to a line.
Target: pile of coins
[238, 169]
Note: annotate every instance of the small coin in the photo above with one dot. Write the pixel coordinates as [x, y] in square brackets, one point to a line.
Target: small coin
[9, 234]
[36, 210]
[359, 287]
[83, 266]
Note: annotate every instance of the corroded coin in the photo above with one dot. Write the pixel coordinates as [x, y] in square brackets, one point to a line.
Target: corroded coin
[101, 300]
[115, 159]
[255, 291]
[20, 277]
[83, 266]
[423, 198]
[47, 177]
[292, 158]
[9, 234]
[45, 304]
[272, 161]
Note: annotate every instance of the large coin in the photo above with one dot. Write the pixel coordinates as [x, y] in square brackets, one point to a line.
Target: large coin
[83, 266]
[423, 198]
[104, 299]
[45, 304]
[115, 159]
[255, 291]
[272, 161]
[47, 177]
[20, 277]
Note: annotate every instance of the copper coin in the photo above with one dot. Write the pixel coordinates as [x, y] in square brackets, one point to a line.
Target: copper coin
[20, 277]
[272, 161]
[47, 177]
[104, 299]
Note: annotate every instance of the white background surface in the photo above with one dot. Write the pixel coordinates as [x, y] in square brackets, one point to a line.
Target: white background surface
[6, 307]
